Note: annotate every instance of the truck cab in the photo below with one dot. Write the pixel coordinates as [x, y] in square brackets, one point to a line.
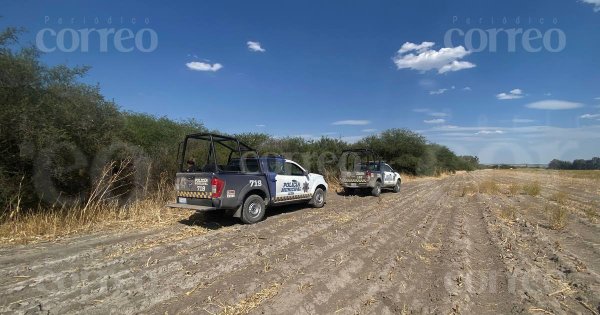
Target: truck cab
[233, 178]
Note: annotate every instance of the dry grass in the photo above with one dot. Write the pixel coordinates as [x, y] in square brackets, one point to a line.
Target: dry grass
[488, 187]
[559, 197]
[582, 174]
[591, 212]
[333, 181]
[248, 304]
[102, 210]
[532, 189]
[407, 178]
[514, 189]
[431, 246]
[171, 237]
[468, 189]
[557, 216]
[508, 213]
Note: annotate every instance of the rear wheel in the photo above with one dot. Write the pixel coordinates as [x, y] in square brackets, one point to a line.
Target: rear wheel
[397, 187]
[318, 199]
[376, 191]
[253, 210]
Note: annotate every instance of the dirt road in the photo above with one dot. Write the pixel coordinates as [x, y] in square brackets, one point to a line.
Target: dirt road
[438, 246]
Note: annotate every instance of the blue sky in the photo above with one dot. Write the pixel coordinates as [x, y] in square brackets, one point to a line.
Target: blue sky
[349, 69]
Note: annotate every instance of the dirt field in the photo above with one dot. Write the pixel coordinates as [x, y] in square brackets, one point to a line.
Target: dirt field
[471, 243]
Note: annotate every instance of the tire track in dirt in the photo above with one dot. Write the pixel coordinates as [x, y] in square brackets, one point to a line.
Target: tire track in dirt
[319, 247]
[334, 284]
[123, 264]
[430, 249]
[134, 263]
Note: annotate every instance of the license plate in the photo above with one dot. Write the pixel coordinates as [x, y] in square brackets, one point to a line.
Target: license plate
[182, 200]
[352, 184]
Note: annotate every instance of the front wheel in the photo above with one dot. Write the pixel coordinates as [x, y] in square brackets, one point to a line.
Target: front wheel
[253, 209]
[397, 187]
[376, 191]
[318, 199]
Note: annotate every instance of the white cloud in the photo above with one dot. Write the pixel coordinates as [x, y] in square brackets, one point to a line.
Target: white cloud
[255, 46]
[424, 46]
[369, 130]
[455, 66]
[438, 114]
[597, 98]
[421, 110]
[522, 120]
[489, 132]
[548, 94]
[595, 3]
[435, 121]
[589, 116]
[467, 88]
[437, 92]
[553, 105]
[261, 125]
[443, 60]
[351, 122]
[513, 94]
[203, 66]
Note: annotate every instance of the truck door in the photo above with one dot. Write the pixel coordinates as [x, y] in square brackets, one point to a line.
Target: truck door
[389, 176]
[292, 183]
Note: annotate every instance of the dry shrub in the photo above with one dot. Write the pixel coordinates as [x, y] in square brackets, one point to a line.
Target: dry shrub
[333, 181]
[467, 190]
[102, 209]
[557, 216]
[513, 189]
[488, 187]
[532, 189]
[508, 213]
[591, 212]
[559, 197]
[406, 177]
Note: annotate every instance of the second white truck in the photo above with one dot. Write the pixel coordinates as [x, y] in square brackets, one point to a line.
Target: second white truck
[362, 169]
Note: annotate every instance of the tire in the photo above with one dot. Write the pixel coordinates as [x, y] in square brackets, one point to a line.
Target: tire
[376, 191]
[318, 199]
[253, 209]
[397, 187]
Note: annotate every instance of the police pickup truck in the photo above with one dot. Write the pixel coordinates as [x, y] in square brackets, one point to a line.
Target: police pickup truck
[236, 180]
[362, 169]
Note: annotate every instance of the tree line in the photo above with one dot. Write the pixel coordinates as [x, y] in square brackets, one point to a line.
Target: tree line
[57, 133]
[579, 164]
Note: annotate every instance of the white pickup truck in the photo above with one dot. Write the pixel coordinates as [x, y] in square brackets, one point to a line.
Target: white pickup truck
[362, 169]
